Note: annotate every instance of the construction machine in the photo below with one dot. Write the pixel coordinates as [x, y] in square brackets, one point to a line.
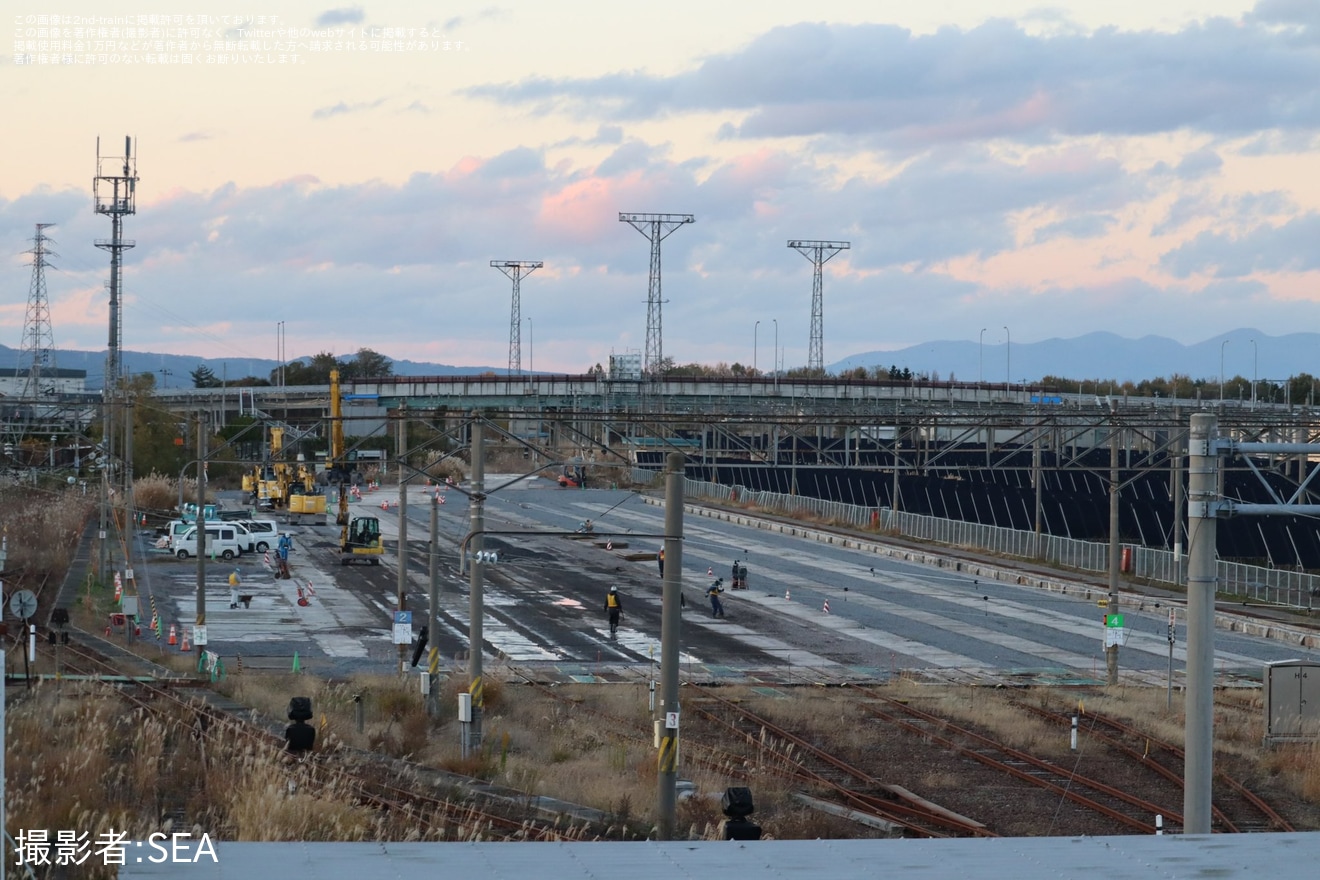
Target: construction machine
[272, 484]
[574, 475]
[359, 536]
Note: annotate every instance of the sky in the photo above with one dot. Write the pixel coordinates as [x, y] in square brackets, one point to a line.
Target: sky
[1041, 170]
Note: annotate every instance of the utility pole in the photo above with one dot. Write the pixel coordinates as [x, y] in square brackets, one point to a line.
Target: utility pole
[670, 648]
[103, 550]
[201, 532]
[128, 457]
[1036, 480]
[401, 451]
[656, 227]
[819, 253]
[516, 269]
[1202, 490]
[475, 601]
[433, 615]
[1176, 490]
[1111, 650]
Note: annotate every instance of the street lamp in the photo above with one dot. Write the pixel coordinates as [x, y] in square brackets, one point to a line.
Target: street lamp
[1221, 370]
[755, 327]
[1253, 374]
[1008, 359]
[776, 320]
[980, 369]
[52, 452]
[279, 349]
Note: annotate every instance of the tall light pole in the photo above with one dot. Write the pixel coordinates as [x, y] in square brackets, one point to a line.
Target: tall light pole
[1253, 374]
[1008, 359]
[279, 349]
[980, 370]
[1221, 370]
[755, 328]
[776, 320]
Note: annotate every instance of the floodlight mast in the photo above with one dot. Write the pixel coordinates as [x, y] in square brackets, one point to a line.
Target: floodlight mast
[516, 269]
[656, 227]
[819, 253]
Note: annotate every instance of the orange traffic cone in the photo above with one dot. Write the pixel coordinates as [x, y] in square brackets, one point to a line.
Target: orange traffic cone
[174, 635]
[827, 606]
[184, 647]
[710, 570]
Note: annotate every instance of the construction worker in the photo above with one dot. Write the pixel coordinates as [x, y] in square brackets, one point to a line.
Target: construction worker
[660, 558]
[282, 557]
[713, 593]
[235, 581]
[614, 607]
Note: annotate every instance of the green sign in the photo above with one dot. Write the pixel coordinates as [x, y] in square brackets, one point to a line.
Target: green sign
[1114, 620]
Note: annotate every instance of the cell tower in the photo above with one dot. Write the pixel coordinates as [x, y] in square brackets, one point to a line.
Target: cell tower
[819, 252]
[37, 353]
[656, 227]
[516, 269]
[115, 195]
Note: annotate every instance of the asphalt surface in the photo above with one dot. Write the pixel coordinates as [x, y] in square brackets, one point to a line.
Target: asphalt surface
[544, 600]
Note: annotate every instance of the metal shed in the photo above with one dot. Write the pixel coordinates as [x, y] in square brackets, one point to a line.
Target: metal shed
[1292, 701]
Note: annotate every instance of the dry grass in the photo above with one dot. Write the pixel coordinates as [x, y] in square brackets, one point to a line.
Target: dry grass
[592, 747]
[158, 494]
[43, 527]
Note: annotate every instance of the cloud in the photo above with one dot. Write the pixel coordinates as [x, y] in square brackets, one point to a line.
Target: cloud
[993, 81]
[192, 136]
[1082, 226]
[342, 15]
[343, 108]
[459, 21]
[1286, 247]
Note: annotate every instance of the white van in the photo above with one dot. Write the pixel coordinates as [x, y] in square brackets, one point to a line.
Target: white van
[265, 533]
[221, 540]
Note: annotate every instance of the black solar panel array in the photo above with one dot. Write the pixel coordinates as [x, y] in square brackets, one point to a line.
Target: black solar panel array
[1074, 495]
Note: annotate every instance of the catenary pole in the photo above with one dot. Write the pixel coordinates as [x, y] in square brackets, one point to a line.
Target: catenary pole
[670, 647]
[475, 598]
[1202, 490]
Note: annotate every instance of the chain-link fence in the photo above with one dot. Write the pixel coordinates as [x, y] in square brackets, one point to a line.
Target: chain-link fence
[1276, 586]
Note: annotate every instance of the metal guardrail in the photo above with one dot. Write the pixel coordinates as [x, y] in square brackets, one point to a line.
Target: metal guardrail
[1293, 589]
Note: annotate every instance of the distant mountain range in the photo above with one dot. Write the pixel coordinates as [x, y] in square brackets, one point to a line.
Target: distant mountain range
[172, 370]
[1105, 356]
[1092, 356]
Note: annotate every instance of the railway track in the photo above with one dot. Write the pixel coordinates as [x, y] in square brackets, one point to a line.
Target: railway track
[335, 773]
[890, 803]
[1130, 812]
[1250, 812]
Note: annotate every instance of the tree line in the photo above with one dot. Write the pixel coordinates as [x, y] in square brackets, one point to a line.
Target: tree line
[366, 364]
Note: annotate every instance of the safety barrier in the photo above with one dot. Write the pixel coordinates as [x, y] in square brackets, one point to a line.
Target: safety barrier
[1274, 586]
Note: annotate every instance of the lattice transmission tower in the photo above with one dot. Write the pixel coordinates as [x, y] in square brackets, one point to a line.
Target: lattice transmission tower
[37, 352]
[516, 269]
[656, 227]
[819, 253]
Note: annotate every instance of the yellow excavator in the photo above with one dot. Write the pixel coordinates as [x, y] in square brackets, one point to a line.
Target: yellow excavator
[359, 537]
[273, 484]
